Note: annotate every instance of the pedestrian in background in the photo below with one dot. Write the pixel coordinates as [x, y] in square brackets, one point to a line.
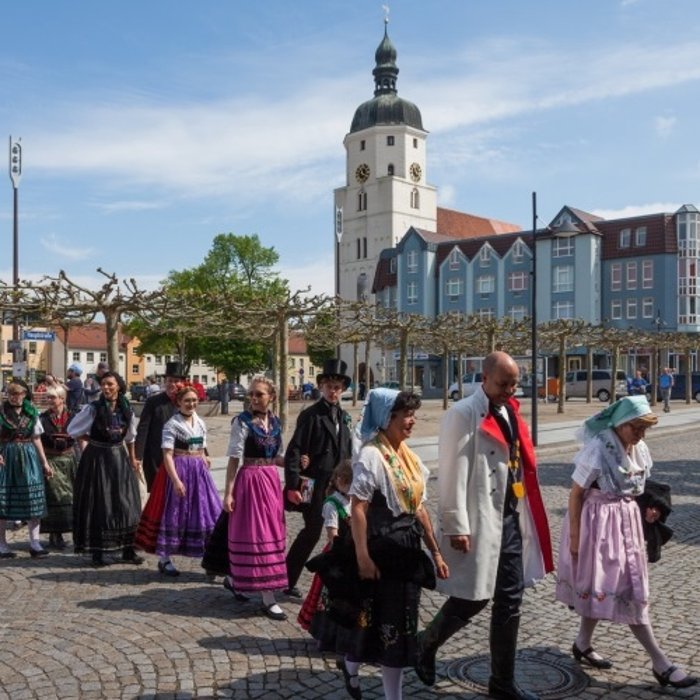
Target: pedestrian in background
[74, 386]
[602, 569]
[666, 385]
[224, 397]
[638, 385]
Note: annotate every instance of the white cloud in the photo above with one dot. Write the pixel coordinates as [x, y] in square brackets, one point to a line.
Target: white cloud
[64, 249]
[637, 210]
[447, 195]
[318, 274]
[128, 205]
[664, 126]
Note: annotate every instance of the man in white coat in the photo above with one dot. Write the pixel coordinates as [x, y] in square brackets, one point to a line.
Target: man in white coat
[493, 526]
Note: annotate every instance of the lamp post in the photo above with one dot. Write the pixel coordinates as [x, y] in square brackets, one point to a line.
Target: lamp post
[533, 318]
[338, 228]
[15, 175]
[659, 323]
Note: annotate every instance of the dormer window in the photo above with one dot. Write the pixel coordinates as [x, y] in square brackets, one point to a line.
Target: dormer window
[518, 251]
[640, 236]
[485, 256]
[625, 235]
[454, 260]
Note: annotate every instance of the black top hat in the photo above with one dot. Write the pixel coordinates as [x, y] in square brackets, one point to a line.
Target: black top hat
[334, 369]
[174, 369]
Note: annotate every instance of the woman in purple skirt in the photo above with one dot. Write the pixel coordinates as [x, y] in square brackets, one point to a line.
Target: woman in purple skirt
[186, 490]
[253, 497]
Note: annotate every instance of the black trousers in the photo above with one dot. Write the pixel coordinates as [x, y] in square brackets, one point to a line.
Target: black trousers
[309, 535]
[508, 594]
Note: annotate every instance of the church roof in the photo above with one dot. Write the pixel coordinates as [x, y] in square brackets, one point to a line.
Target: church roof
[458, 224]
[386, 107]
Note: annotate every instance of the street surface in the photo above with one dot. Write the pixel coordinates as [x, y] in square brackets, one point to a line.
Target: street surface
[70, 631]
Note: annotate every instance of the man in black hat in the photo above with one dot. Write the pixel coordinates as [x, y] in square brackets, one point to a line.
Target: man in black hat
[323, 436]
[157, 411]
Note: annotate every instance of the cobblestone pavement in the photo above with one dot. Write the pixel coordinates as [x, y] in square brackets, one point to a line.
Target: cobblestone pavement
[69, 631]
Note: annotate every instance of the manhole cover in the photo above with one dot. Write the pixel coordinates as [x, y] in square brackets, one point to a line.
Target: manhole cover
[546, 673]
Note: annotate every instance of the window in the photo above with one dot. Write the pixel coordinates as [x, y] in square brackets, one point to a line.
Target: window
[453, 287]
[640, 236]
[647, 274]
[361, 201]
[358, 245]
[624, 241]
[517, 313]
[412, 261]
[485, 256]
[292, 362]
[205, 379]
[412, 293]
[89, 357]
[362, 145]
[454, 260]
[389, 140]
[415, 143]
[631, 308]
[518, 251]
[616, 309]
[562, 247]
[563, 280]
[616, 277]
[103, 357]
[415, 199]
[631, 275]
[32, 347]
[159, 359]
[648, 307]
[134, 369]
[392, 265]
[517, 281]
[168, 358]
[486, 313]
[76, 357]
[390, 169]
[486, 284]
[563, 309]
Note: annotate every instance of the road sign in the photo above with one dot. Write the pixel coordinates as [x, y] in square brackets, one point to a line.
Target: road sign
[301, 371]
[50, 336]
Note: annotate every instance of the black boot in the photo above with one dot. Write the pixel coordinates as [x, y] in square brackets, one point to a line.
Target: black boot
[503, 642]
[441, 628]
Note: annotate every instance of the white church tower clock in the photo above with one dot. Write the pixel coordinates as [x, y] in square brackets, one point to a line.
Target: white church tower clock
[385, 175]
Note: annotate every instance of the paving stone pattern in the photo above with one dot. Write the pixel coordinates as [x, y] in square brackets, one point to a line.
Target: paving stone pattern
[70, 631]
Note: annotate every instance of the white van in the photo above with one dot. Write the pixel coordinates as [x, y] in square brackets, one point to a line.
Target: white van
[576, 384]
[471, 381]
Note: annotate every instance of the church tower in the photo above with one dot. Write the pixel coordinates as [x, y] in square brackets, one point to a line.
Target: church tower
[386, 191]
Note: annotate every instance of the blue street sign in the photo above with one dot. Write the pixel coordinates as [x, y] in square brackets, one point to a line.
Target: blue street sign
[50, 336]
[301, 371]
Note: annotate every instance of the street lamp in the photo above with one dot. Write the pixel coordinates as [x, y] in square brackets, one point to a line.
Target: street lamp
[533, 318]
[15, 175]
[659, 323]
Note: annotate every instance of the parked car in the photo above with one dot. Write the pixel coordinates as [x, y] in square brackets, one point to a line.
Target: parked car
[236, 392]
[417, 390]
[679, 384]
[471, 381]
[576, 384]
[138, 392]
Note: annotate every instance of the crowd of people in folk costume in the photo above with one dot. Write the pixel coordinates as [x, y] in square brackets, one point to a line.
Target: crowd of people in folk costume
[77, 469]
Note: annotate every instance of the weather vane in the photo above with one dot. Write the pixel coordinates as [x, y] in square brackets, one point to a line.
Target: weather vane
[386, 13]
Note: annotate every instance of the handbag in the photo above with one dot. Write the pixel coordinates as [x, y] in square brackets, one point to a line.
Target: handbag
[656, 534]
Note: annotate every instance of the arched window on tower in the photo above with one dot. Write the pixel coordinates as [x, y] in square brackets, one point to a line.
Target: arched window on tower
[415, 199]
[361, 201]
[390, 169]
[362, 287]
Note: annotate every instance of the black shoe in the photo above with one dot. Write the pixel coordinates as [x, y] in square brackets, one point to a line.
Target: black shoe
[130, 557]
[353, 691]
[425, 663]
[508, 691]
[38, 553]
[269, 612]
[240, 597]
[293, 592]
[56, 540]
[665, 678]
[8, 555]
[588, 657]
[97, 560]
[167, 568]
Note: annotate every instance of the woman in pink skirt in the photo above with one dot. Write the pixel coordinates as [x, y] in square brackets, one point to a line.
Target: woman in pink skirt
[602, 572]
[253, 497]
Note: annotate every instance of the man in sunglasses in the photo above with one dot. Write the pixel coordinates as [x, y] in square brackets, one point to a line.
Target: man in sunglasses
[320, 442]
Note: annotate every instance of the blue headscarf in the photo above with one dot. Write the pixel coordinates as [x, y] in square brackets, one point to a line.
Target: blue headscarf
[624, 410]
[376, 412]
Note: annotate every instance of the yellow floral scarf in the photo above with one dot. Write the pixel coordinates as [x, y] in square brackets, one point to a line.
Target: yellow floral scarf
[405, 473]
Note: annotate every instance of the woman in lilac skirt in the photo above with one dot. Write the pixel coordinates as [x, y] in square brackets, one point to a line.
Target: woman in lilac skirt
[253, 497]
[602, 572]
[190, 501]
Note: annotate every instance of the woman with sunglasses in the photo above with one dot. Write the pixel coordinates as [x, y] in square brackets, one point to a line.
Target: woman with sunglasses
[253, 499]
[23, 466]
[602, 571]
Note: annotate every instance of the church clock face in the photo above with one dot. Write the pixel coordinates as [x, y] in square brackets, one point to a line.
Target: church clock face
[415, 171]
[362, 172]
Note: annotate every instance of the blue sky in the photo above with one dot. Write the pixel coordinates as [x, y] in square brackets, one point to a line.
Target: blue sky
[150, 127]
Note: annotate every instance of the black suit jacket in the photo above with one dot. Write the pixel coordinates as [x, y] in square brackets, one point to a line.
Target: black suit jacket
[157, 411]
[315, 435]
